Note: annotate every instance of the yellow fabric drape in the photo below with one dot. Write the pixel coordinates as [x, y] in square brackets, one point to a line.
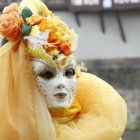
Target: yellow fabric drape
[23, 112]
[103, 115]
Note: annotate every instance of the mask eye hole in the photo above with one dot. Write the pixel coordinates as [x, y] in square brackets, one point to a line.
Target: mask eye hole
[46, 75]
[70, 73]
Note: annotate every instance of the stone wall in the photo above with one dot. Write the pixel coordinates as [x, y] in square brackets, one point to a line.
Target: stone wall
[124, 76]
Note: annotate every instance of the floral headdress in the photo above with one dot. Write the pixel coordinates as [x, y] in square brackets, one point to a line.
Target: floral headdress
[47, 37]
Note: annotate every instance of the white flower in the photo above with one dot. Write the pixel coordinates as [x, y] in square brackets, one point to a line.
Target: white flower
[39, 39]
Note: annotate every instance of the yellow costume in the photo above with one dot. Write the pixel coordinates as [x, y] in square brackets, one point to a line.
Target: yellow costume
[25, 116]
[23, 112]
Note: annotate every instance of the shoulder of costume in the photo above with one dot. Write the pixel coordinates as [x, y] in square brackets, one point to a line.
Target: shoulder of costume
[91, 81]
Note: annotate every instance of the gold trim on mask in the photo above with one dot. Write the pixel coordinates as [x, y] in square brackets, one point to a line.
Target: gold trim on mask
[40, 53]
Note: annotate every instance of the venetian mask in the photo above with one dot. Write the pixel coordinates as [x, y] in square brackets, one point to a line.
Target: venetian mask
[58, 84]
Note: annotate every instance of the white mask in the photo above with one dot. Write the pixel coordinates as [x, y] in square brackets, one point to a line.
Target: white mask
[57, 84]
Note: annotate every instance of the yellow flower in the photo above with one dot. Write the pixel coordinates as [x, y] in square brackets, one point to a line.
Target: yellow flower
[44, 25]
[36, 6]
[33, 19]
[34, 30]
[54, 38]
[43, 10]
[53, 51]
[74, 40]
[59, 31]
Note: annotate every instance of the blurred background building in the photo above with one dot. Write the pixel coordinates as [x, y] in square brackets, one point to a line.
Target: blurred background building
[109, 45]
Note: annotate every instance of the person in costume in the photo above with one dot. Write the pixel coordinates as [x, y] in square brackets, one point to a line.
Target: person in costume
[43, 93]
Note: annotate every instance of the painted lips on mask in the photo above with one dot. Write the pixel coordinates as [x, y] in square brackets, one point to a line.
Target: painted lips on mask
[60, 95]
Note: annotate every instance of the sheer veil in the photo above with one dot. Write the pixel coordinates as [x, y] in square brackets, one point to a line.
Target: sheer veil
[23, 112]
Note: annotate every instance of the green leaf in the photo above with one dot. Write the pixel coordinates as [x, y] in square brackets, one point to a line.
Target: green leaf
[60, 52]
[4, 41]
[54, 57]
[26, 28]
[26, 12]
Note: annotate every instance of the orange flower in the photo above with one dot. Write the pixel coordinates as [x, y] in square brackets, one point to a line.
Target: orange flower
[10, 25]
[45, 25]
[54, 39]
[11, 8]
[66, 50]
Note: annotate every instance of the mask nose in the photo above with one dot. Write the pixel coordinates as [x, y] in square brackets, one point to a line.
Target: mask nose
[61, 86]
